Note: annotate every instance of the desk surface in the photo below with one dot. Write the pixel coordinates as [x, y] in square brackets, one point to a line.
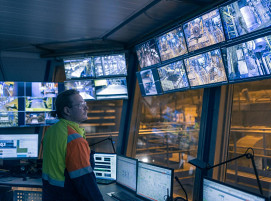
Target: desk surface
[37, 183]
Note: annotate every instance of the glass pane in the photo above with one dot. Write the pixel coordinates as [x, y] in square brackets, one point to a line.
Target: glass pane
[250, 127]
[168, 134]
[103, 123]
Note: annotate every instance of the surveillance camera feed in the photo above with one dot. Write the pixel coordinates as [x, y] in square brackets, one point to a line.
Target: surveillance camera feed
[110, 65]
[38, 104]
[11, 89]
[79, 68]
[245, 16]
[111, 88]
[173, 76]
[249, 59]
[86, 88]
[34, 118]
[204, 31]
[8, 119]
[42, 89]
[171, 44]
[147, 54]
[8, 104]
[148, 82]
[205, 69]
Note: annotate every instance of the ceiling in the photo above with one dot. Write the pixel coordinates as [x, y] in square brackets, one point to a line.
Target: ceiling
[65, 27]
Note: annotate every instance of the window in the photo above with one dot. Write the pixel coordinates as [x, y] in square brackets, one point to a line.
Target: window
[168, 133]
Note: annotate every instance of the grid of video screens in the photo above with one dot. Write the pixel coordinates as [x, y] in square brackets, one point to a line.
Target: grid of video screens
[95, 66]
[202, 53]
[27, 103]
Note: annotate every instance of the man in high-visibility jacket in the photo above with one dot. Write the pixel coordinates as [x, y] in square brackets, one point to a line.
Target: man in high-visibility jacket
[67, 174]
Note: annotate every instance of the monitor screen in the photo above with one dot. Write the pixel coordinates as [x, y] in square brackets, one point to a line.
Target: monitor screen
[245, 16]
[147, 54]
[79, 68]
[173, 76]
[149, 82]
[86, 88]
[33, 104]
[204, 31]
[126, 172]
[8, 89]
[248, 59]
[215, 190]
[39, 118]
[111, 88]
[8, 104]
[8, 119]
[171, 44]
[41, 89]
[19, 146]
[206, 68]
[110, 65]
[154, 182]
[105, 165]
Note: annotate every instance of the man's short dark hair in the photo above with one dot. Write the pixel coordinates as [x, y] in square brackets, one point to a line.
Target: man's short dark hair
[63, 100]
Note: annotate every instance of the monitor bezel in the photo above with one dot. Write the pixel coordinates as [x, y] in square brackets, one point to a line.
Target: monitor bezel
[134, 159]
[231, 186]
[159, 166]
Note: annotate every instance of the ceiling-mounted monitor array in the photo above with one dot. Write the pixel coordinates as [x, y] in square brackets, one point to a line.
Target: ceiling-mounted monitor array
[97, 77]
[27, 103]
[229, 44]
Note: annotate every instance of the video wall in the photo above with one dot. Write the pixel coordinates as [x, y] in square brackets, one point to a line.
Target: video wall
[27, 103]
[97, 77]
[229, 44]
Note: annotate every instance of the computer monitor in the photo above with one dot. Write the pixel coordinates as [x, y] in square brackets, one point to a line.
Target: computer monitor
[215, 190]
[19, 146]
[86, 88]
[41, 89]
[126, 172]
[245, 16]
[154, 182]
[9, 119]
[206, 69]
[204, 31]
[8, 89]
[33, 104]
[105, 166]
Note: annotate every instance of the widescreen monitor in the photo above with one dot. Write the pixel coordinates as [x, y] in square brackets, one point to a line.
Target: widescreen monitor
[154, 182]
[111, 88]
[8, 119]
[127, 172]
[244, 16]
[205, 69]
[86, 88]
[39, 118]
[215, 190]
[8, 89]
[171, 44]
[105, 166]
[41, 89]
[33, 104]
[110, 65]
[147, 54]
[173, 76]
[248, 60]
[14, 146]
[204, 31]
[79, 68]
[149, 83]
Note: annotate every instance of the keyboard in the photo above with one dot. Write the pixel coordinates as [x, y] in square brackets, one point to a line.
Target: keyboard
[27, 195]
[104, 181]
[123, 196]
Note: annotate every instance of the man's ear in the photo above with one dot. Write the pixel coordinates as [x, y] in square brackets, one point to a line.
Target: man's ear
[66, 111]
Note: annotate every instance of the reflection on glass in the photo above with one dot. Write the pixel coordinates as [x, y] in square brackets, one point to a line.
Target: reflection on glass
[173, 76]
[147, 54]
[245, 16]
[168, 133]
[251, 127]
[205, 68]
[249, 59]
[171, 44]
[204, 31]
